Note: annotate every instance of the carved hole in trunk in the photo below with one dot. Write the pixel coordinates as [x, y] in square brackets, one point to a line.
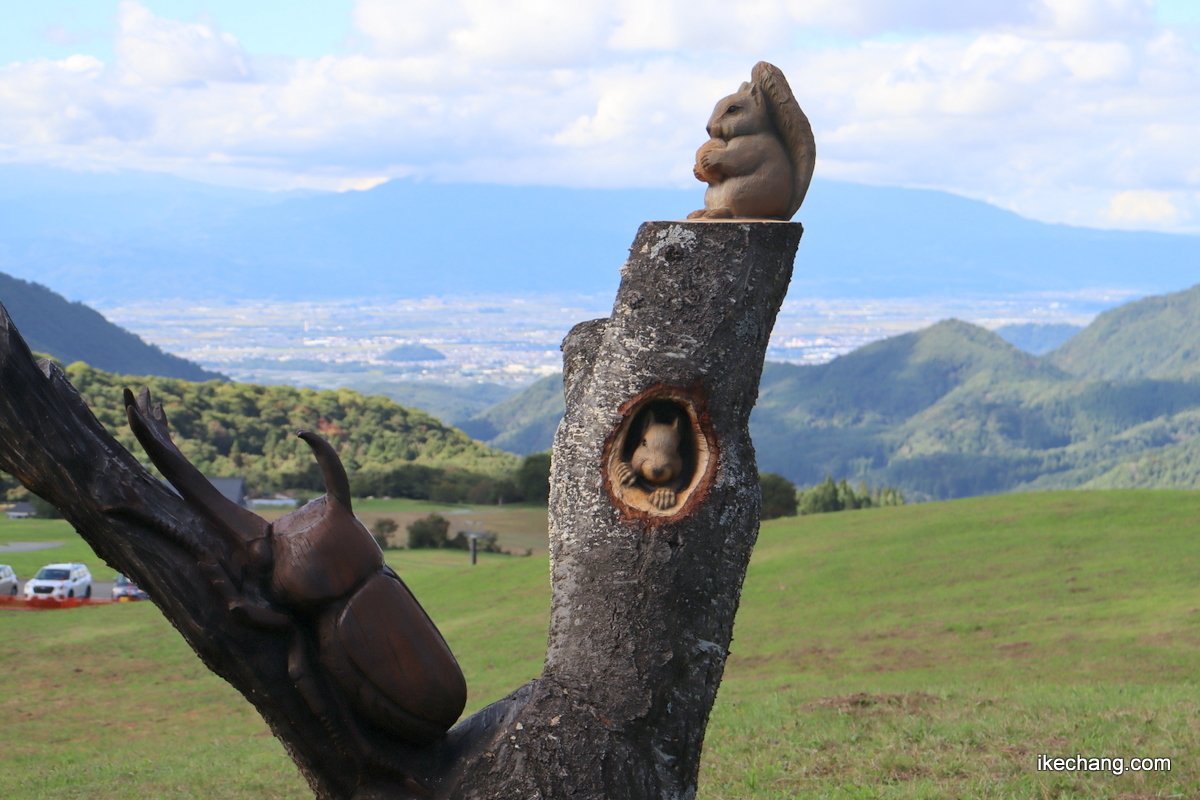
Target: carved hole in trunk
[660, 460]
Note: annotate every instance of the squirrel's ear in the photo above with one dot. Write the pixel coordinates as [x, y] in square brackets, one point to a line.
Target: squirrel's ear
[745, 85]
[755, 93]
[675, 424]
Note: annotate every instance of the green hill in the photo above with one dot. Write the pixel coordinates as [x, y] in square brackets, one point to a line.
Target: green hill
[524, 423]
[878, 385]
[923, 651]
[953, 411]
[914, 410]
[247, 429]
[73, 332]
[1155, 337]
[969, 415]
[891, 380]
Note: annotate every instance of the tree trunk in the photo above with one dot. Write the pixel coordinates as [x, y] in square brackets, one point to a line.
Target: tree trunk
[646, 570]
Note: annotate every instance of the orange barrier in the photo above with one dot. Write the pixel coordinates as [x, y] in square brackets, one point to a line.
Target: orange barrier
[49, 603]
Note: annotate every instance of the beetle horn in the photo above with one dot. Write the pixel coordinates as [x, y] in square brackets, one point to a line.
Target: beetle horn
[337, 485]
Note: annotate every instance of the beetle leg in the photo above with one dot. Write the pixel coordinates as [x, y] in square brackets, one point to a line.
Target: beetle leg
[379, 759]
[300, 672]
[305, 681]
[331, 708]
[374, 756]
[245, 612]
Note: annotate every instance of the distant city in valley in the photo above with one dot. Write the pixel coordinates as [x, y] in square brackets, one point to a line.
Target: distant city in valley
[513, 341]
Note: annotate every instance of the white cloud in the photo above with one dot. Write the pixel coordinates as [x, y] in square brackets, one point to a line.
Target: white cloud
[1143, 207]
[870, 17]
[996, 114]
[1089, 18]
[168, 53]
[1083, 101]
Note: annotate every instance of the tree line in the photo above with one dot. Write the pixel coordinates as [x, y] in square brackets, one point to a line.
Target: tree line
[529, 483]
[433, 532]
[781, 498]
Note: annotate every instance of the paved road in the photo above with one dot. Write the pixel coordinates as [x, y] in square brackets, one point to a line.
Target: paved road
[27, 547]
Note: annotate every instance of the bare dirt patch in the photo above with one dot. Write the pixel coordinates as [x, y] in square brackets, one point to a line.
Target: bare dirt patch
[862, 702]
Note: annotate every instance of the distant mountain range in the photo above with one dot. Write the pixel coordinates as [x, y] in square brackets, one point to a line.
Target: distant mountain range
[954, 410]
[1037, 338]
[115, 236]
[73, 332]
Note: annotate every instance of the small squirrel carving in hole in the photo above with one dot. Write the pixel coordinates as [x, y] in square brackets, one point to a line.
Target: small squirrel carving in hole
[656, 464]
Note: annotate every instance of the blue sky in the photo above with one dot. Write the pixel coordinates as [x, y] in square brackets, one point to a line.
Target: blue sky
[1079, 111]
[60, 28]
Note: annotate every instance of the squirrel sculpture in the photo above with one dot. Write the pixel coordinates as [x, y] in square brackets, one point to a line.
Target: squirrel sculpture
[656, 460]
[759, 160]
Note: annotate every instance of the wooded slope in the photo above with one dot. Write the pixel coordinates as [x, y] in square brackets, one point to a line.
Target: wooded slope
[954, 410]
[249, 430]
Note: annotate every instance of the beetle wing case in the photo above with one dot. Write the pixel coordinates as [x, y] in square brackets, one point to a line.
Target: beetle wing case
[385, 652]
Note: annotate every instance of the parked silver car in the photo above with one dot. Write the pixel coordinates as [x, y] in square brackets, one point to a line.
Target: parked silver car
[8, 580]
[125, 589]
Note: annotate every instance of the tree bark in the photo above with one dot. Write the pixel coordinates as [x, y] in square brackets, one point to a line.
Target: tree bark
[644, 594]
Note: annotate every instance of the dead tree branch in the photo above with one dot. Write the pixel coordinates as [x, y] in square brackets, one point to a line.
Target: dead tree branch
[647, 566]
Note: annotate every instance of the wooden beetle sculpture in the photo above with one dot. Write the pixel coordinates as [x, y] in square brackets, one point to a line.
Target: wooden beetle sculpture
[324, 579]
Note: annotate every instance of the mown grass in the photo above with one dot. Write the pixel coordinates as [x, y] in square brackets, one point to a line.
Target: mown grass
[101, 702]
[915, 652]
[935, 650]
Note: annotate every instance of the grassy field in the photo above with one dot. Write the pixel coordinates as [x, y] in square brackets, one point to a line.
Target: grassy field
[71, 547]
[915, 652]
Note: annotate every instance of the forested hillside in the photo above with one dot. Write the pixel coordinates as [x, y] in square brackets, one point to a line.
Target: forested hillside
[989, 420]
[1155, 337]
[73, 332]
[524, 423]
[949, 411]
[889, 381]
[954, 410]
[246, 429]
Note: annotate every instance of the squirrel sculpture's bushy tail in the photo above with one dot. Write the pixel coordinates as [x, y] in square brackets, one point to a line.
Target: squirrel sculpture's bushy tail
[793, 128]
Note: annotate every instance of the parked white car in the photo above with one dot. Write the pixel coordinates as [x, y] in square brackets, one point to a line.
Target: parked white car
[58, 581]
[8, 580]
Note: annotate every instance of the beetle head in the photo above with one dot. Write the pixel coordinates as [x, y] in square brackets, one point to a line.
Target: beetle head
[321, 550]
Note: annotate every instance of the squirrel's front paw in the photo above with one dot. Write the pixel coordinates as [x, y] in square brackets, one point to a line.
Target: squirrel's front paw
[662, 499]
[708, 159]
[625, 474]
